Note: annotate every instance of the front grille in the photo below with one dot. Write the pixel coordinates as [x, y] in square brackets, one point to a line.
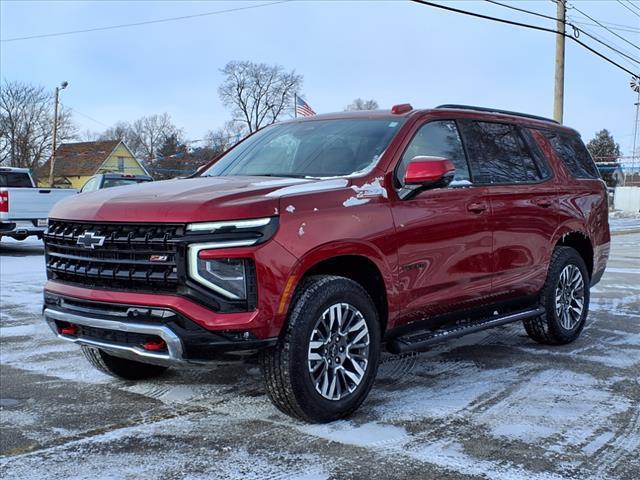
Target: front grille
[140, 257]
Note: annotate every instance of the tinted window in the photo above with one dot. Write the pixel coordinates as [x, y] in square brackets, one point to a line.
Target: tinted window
[497, 153]
[538, 155]
[574, 154]
[14, 179]
[437, 139]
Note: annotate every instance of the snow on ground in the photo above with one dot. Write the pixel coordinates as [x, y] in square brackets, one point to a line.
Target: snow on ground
[623, 222]
[491, 405]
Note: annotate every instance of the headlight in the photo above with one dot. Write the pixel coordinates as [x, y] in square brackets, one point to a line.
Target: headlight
[224, 275]
[232, 225]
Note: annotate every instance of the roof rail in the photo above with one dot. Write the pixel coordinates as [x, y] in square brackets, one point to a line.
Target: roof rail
[495, 110]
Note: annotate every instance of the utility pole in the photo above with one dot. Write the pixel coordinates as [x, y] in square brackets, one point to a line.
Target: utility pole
[558, 98]
[62, 86]
[635, 86]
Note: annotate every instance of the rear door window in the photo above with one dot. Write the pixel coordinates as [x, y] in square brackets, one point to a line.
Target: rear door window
[573, 153]
[498, 153]
[437, 139]
[15, 179]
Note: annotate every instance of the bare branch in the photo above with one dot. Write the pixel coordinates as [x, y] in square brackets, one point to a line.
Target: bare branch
[257, 93]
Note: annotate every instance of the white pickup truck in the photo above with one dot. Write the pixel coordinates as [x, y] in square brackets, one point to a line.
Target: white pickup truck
[24, 207]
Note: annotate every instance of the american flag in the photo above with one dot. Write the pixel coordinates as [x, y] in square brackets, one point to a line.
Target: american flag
[303, 109]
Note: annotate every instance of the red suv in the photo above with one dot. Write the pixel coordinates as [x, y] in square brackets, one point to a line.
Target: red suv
[318, 242]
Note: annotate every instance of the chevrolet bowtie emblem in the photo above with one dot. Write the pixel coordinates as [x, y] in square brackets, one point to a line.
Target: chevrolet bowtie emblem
[90, 240]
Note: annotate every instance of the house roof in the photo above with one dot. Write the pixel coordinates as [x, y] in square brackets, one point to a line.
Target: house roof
[79, 159]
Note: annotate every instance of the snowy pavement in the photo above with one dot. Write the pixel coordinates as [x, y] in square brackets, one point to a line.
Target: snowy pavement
[492, 405]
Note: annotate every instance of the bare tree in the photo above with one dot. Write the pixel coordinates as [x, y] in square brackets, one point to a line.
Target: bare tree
[145, 136]
[257, 93]
[151, 132]
[26, 124]
[225, 137]
[360, 104]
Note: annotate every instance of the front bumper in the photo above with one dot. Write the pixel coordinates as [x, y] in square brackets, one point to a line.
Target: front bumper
[145, 333]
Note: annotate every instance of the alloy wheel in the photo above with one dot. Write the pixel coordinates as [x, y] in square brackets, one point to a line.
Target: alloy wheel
[338, 351]
[570, 296]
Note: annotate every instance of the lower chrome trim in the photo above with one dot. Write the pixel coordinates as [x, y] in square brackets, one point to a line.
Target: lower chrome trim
[173, 355]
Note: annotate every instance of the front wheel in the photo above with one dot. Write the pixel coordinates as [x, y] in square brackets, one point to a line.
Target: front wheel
[326, 361]
[565, 298]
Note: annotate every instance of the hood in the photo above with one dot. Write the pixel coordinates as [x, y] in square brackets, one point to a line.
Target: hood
[181, 201]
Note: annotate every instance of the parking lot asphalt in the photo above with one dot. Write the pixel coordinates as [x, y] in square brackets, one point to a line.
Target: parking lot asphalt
[490, 405]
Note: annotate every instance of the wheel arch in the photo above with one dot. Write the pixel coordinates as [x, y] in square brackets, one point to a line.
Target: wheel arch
[580, 241]
[359, 262]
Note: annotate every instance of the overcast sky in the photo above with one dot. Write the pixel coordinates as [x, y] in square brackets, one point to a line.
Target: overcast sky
[391, 51]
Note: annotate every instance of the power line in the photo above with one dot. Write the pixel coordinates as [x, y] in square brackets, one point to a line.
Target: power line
[522, 10]
[84, 115]
[620, 28]
[627, 7]
[136, 24]
[614, 26]
[606, 28]
[620, 50]
[526, 25]
[567, 23]
[588, 24]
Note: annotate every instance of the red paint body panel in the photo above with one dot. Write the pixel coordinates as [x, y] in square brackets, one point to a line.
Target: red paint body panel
[443, 249]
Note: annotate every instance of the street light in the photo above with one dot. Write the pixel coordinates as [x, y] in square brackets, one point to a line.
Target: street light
[62, 86]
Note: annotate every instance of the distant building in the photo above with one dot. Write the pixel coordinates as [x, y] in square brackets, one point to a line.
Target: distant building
[77, 162]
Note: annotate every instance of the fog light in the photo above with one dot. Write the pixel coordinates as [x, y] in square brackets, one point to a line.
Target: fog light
[68, 329]
[155, 345]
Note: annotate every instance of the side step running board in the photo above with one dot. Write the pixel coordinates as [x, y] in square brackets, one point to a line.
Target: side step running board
[421, 339]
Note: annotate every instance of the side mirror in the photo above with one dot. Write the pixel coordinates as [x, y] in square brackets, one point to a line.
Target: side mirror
[429, 172]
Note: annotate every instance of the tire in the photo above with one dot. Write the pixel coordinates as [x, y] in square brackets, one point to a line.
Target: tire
[561, 323]
[121, 367]
[287, 366]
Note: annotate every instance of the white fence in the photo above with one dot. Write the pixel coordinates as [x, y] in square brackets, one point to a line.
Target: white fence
[627, 199]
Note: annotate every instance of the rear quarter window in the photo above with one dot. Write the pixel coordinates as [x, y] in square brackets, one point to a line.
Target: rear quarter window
[573, 154]
[15, 179]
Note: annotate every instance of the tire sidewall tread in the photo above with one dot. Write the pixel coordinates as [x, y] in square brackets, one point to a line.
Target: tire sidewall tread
[287, 379]
[546, 328]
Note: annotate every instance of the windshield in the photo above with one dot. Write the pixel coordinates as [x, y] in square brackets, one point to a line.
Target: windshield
[118, 182]
[319, 148]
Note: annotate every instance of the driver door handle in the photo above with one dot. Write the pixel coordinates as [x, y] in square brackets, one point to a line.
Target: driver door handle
[477, 207]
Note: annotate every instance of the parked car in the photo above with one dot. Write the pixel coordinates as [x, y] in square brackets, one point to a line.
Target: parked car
[23, 206]
[322, 241]
[108, 180]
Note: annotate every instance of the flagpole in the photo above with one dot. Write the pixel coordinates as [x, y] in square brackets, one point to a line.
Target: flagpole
[295, 105]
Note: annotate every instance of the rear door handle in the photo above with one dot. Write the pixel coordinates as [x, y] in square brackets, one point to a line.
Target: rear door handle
[544, 202]
[478, 207]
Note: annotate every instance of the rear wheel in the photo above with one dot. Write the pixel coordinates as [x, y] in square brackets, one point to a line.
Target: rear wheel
[565, 298]
[121, 367]
[324, 365]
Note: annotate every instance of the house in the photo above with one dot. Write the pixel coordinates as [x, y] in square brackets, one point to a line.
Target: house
[77, 162]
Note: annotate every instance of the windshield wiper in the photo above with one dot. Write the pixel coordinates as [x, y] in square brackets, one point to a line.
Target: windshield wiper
[284, 175]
